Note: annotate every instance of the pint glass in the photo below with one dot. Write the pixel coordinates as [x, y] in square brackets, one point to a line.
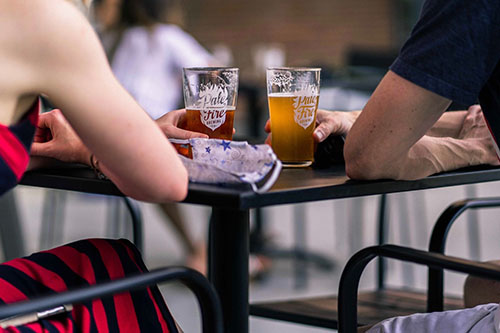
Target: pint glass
[293, 95]
[210, 96]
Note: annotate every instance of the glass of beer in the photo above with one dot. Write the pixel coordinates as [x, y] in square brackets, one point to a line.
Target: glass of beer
[210, 96]
[293, 95]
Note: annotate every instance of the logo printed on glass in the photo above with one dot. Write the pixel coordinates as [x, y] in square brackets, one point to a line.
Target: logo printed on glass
[213, 105]
[304, 106]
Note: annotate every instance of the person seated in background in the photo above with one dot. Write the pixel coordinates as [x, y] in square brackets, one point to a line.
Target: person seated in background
[147, 57]
[47, 47]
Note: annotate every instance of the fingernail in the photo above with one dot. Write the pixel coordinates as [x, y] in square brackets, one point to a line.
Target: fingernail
[319, 135]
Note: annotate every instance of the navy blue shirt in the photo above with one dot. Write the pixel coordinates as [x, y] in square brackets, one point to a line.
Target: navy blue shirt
[454, 51]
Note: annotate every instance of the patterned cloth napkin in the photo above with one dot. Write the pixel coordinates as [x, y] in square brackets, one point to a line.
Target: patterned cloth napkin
[232, 162]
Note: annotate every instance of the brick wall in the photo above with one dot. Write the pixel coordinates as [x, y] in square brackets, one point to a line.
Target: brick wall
[310, 31]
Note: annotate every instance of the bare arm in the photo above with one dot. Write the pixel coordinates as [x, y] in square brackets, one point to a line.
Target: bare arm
[70, 67]
[448, 125]
[340, 123]
[388, 139]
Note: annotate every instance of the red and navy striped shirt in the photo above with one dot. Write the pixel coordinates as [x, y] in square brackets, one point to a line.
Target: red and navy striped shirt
[78, 264]
[15, 143]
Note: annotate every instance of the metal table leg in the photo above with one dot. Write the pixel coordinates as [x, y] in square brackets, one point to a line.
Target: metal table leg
[228, 265]
[382, 238]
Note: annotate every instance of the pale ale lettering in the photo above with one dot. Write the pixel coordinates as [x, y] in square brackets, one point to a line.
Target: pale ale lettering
[217, 124]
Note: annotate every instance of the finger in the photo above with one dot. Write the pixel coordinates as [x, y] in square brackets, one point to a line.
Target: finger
[44, 120]
[475, 108]
[323, 130]
[41, 149]
[51, 119]
[267, 127]
[321, 115]
[269, 140]
[177, 133]
[180, 118]
[42, 135]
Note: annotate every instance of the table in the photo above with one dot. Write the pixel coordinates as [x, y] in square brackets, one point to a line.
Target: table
[229, 229]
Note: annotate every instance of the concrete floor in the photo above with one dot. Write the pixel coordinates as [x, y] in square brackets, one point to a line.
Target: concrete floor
[336, 229]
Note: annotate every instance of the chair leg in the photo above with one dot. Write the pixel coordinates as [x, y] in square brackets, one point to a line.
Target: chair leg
[408, 270]
[299, 235]
[10, 228]
[473, 225]
[54, 205]
[137, 225]
[116, 217]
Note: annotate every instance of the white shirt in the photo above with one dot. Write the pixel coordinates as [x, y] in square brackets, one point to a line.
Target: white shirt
[149, 63]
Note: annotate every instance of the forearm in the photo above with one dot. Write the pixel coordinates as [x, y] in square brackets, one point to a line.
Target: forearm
[448, 125]
[38, 162]
[432, 155]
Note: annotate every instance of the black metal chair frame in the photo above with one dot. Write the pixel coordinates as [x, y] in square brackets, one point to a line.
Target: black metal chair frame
[349, 281]
[135, 214]
[437, 244]
[208, 300]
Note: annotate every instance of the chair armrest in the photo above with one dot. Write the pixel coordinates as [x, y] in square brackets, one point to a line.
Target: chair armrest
[446, 219]
[435, 289]
[349, 281]
[208, 300]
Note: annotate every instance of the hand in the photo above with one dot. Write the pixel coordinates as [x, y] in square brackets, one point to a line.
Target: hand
[333, 122]
[327, 123]
[172, 124]
[474, 129]
[55, 138]
[474, 125]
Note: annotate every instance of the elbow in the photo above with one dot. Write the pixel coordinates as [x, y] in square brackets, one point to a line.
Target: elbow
[175, 189]
[359, 168]
[361, 165]
[180, 188]
[170, 188]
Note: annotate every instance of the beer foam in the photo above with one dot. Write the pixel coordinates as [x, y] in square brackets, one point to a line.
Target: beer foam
[227, 108]
[298, 93]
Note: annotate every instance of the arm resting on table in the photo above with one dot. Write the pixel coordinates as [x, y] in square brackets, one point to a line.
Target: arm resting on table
[388, 139]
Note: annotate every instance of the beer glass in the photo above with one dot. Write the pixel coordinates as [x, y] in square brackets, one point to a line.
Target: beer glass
[210, 96]
[293, 95]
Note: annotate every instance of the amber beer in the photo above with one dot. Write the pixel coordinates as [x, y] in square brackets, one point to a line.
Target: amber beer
[210, 95]
[292, 124]
[216, 123]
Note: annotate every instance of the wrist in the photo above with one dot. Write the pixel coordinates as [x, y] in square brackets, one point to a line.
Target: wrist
[94, 164]
[85, 156]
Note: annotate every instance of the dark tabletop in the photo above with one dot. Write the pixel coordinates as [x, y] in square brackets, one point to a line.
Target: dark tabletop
[293, 185]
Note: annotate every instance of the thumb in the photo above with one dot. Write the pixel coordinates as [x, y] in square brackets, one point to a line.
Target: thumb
[41, 149]
[269, 140]
[322, 132]
[267, 127]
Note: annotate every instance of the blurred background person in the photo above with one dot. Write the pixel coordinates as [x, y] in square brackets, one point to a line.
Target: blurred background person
[147, 56]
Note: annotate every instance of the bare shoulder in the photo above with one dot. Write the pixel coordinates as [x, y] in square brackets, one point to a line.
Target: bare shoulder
[44, 34]
[38, 20]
